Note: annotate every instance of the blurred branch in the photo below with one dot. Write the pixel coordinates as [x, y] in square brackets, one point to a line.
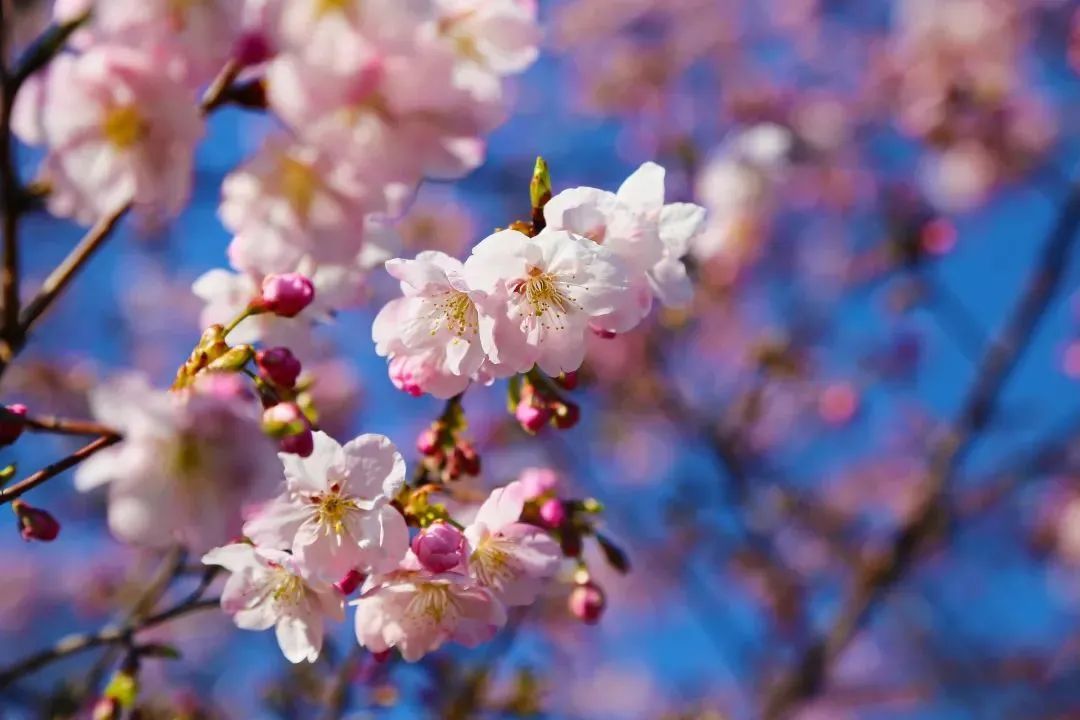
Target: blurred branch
[50, 471]
[9, 193]
[57, 425]
[877, 574]
[124, 634]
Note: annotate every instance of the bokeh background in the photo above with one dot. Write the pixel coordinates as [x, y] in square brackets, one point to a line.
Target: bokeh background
[750, 451]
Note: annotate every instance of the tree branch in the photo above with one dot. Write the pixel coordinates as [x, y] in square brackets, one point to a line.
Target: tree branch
[50, 471]
[876, 575]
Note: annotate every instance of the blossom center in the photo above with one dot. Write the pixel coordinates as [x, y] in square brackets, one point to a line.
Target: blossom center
[546, 295]
[123, 126]
[288, 588]
[432, 601]
[332, 509]
[492, 564]
[456, 312]
[324, 7]
[299, 184]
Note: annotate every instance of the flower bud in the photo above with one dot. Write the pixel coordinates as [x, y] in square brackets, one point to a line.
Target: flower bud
[531, 416]
[106, 708]
[439, 547]
[602, 333]
[586, 602]
[10, 430]
[553, 513]
[286, 295]
[348, 584]
[284, 420]
[233, 360]
[566, 415]
[252, 48]
[302, 444]
[278, 366]
[570, 542]
[427, 443]
[381, 656]
[569, 380]
[467, 457]
[537, 481]
[35, 523]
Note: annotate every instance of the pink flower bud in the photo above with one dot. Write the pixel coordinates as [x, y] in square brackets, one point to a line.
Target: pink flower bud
[348, 584]
[106, 708]
[278, 366]
[35, 523]
[10, 430]
[586, 602]
[566, 415]
[252, 48]
[602, 333]
[467, 458]
[381, 656]
[284, 419]
[439, 547]
[538, 481]
[532, 417]
[568, 380]
[302, 444]
[427, 443]
[553, 513]
[287, 294]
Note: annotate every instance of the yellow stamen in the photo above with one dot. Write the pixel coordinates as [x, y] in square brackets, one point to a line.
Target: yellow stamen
[299, 183]
[332, 510]
[456, 312]
[123, 126]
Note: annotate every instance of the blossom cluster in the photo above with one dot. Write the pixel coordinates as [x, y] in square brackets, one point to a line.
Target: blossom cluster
[335, 525]
[520, 301]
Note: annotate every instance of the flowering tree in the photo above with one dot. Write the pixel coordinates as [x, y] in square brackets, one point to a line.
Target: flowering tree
[541, 377]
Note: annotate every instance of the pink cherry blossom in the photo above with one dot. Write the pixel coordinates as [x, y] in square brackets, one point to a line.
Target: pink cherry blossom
[292, 200]
[117, 129]
[417, 611]
[271, 588]
[650, 237]
[432, 334]
[540, 295]
[187, 466]
[511, 558]
[335, 513]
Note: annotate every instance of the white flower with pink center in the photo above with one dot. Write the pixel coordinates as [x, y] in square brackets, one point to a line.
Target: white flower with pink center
[513, 559]
[417, 611]
[540, 294]
[335, 513]
[117, 130]
[634, 223]
[432, 334]
[270, 588]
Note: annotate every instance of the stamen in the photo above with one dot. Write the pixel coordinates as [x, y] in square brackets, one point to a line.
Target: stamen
[455, 311]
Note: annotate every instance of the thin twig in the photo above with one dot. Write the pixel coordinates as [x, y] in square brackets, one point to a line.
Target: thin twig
[74, 644]
[50, 471]
[877, 574]
[57, 425]
[9, 195]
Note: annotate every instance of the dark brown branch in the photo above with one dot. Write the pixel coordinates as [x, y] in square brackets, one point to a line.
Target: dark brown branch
[57, 425]
[50, 471]
[877, 574]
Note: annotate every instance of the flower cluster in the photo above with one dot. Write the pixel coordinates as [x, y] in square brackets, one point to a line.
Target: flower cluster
[336, 522]
[521, 301]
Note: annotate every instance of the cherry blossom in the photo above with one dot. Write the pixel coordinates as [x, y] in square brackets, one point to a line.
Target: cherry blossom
[417, 611]
[511, 558]
[634, 223]
[432, 334]
[335, 513]
[540, 295]
[271, 588]
[117, 129]
[190, 462]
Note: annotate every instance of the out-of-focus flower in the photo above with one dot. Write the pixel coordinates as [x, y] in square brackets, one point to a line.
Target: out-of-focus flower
[116, 130]
[511, 558]
[189, 463]
[538, 481]
[271, 588]
[35, 523]
[335, 513]
[417, 611]
[541, 294]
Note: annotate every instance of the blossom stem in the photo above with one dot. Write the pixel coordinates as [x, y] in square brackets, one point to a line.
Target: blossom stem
[58, 425]
[50, 471]
[235, 322]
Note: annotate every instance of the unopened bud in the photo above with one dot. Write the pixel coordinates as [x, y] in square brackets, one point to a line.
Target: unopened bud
[553, 513]
[11, 429]
[302, 444]
[348, 584]
[587, 602]
[531, 415]
[252, 48]
[568, 380]
[106, 708]
[439, 547]
[284, 420]
[566, 415]
[278, 366]
[427, 443]
[468, 458]
[602, 333]
[286, 295]
[35, 523]
[233, 360]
